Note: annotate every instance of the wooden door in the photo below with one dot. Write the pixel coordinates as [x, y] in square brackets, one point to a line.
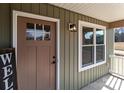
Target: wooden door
[35, 54]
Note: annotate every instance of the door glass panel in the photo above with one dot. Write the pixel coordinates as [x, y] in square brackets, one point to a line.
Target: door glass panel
[39, 32]
[47, 36]
[46, 32]
[87, 36]
[47, 28]
[30, 31]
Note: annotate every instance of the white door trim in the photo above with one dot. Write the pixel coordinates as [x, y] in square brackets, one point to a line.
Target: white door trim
[30, 15]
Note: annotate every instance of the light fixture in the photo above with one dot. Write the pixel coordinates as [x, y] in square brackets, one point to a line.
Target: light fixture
[72, 27]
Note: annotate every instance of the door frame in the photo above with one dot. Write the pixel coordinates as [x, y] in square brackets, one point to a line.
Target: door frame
[34, 16]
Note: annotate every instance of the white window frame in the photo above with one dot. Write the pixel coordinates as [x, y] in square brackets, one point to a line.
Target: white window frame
[94, 26]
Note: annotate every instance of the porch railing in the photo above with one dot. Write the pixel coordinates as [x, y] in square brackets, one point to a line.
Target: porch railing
[117, 65]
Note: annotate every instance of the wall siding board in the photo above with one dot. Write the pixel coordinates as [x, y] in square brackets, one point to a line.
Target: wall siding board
[35, 8]
[83, 78]
[89, 76]
[50, 11]
[97, 72]
[89, 19]
[91, 72]
[26, 7]
[67, 60]
[86, 77]
[79, 73]
[75, 54]
[71, 53]
[82, 17]
[56, 12]
[100, 68]
[62, 37]
[116, 24]
[16, 6]
[43, 9]
[70, 78]
[5, 33]
[102, 72]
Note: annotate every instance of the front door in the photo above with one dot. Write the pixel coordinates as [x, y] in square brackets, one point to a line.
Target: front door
[35, 54]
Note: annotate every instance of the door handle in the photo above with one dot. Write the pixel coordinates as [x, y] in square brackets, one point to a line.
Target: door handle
[53, 62]
[54, 57]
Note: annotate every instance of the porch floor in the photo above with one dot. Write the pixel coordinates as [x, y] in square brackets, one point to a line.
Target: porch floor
[107, 82]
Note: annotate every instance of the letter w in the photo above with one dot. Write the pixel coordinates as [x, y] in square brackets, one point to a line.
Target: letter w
[6, 58]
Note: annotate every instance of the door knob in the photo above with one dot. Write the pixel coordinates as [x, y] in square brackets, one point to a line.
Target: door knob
[53, 62]
[54, 57]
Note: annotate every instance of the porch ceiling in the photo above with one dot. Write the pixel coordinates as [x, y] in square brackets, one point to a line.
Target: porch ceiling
[108, 12]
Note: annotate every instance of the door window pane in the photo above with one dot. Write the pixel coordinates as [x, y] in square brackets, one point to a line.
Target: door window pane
[30, 31]
[100, 53]
[87, 37]
[46, 32]
[47, 28]
[39, 32]
[87, 55]
[47, 36]
[99, 36]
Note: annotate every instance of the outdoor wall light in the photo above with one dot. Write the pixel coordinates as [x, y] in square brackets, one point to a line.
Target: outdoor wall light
[72, 27]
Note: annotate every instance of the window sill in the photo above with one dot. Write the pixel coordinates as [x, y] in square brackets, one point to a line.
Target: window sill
[91, 66]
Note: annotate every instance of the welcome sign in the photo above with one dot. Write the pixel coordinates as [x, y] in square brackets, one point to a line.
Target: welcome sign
[7, 70]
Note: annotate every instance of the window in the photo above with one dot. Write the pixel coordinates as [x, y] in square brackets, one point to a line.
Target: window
[37, 32]
[92, 45]
[119, 41]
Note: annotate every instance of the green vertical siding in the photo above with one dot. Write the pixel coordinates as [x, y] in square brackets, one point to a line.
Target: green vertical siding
[35, 8]
[62, 47]
[5, 29]
[26, 7]
[67, 59]
[71, 51]
[75, 64]
[70, 78]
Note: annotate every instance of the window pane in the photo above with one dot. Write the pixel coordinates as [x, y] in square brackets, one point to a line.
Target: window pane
[119, 34]
[87, 36]
[87, 55]
[47, 32]
[47, 36]
[99, 36]
[39, 32]
[47, 28]
[30, 32]
[100, 53]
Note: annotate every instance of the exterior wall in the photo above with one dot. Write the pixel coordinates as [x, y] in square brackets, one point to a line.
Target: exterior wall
[5, 29]
[116, 24]
[70, 78]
